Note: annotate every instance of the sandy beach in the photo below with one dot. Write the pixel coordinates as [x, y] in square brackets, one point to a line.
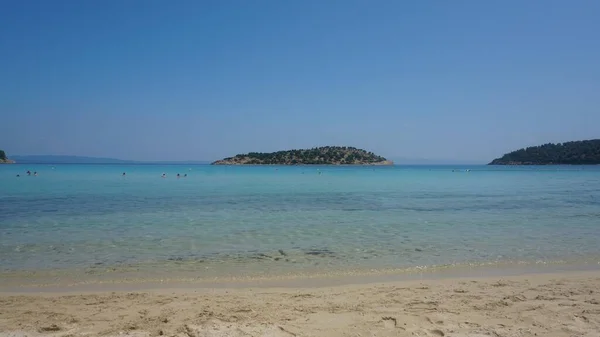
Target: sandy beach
[566, 304]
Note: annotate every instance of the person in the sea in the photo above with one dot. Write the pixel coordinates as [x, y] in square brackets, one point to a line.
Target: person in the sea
[164, 175]
[28, 172]
[185, 175]
[178, 176]
[18, 175]
[35, 173]
[123, 174]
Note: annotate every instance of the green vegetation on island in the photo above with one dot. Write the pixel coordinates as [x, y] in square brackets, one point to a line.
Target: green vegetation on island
[326, 155]
[4, 159]
[583, 152]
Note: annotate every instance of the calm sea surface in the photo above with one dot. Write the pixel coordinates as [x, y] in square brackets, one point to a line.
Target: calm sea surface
[277, 220]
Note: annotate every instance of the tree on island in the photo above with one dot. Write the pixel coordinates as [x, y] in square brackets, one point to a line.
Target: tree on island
[584, 152]
[3, 155]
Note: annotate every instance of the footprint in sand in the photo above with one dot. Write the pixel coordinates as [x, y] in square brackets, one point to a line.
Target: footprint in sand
[437, 332]
[430, 333]
[389, 322]
[470, 325]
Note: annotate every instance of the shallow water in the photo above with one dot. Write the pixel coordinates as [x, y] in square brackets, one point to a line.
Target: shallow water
[271, 220]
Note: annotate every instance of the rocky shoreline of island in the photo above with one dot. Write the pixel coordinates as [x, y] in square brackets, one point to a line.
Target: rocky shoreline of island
[4, 159]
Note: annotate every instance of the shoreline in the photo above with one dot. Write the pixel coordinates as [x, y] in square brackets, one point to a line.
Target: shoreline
[132, 280]
[553, 304]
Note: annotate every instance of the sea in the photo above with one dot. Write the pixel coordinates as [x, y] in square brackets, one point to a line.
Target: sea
[97, 222]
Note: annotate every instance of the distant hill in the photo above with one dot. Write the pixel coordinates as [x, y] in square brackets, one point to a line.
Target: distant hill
[433, 162]
[327, 155]
[583, 152]
[52, 159]
[180, 162]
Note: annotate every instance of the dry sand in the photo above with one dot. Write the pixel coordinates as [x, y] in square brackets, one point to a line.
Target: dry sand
[532, 305]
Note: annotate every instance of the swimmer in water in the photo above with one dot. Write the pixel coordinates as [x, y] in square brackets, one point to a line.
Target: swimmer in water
[178, 176]
[18, 175]
[28, 172]
[123, 174]
[35, 173]
[163, 175]
[185, 175]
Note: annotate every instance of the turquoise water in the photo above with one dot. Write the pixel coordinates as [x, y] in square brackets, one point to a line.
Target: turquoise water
[275, 220]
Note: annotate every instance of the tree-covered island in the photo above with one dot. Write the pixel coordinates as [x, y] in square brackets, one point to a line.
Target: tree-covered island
[583, 152]
[326, 155]
[4, 159]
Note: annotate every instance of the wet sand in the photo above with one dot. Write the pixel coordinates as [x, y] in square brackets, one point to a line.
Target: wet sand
[558, 304]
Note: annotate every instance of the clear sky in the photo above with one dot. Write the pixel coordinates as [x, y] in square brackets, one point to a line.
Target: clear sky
[200, 80]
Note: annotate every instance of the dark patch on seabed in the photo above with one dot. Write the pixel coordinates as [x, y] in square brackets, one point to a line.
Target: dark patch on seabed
[240, 257]
[324, 252]
[280, 254]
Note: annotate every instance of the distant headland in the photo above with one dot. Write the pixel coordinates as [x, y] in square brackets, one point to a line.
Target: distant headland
[583, 152]
[60, 159]
[326, 155]
[4, 159]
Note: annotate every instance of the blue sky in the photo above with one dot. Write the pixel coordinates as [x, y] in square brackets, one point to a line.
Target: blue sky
[183, 80]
